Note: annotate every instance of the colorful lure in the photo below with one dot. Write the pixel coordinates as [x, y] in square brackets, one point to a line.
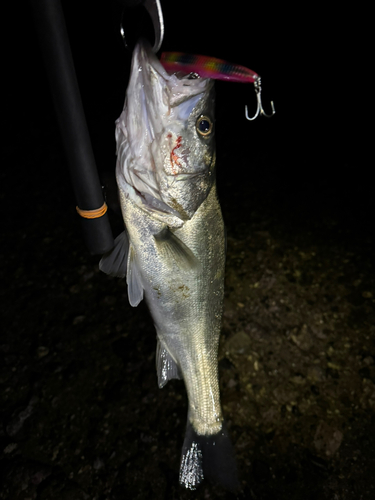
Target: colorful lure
[217, 69]
[207, 67]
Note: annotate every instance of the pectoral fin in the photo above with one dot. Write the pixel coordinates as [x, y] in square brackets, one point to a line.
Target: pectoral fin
[166, 367]
[133, 279]
[115, 261]
[174, 250]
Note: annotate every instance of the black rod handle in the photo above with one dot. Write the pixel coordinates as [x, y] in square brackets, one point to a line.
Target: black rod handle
[55, 46]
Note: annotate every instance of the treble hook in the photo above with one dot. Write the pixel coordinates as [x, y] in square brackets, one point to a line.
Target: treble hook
[260, 110]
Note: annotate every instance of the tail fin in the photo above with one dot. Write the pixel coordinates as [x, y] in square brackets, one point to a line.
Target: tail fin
[209, 457]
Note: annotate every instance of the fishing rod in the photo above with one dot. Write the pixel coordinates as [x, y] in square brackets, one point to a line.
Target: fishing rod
[55, 47]
[54, 42]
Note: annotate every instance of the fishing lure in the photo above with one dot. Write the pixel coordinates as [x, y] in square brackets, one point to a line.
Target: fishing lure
[217, 69]
[207, 67]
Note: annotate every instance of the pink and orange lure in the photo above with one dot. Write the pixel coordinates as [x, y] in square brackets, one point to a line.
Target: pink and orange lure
[207, 67]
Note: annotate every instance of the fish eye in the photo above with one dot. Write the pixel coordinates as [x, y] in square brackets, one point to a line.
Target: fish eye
[204, 125]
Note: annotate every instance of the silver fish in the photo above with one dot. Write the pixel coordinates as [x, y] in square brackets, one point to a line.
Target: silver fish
[172, 251]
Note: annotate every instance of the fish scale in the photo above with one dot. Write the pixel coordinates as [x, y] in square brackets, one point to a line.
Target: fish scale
[182, 298]
[172, 250]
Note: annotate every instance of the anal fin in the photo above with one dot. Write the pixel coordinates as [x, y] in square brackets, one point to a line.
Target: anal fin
[166, 367]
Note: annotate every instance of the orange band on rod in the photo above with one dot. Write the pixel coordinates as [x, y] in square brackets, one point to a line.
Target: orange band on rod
[93, 214]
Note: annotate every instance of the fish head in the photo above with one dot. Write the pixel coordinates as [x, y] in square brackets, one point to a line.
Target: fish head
[168, 123]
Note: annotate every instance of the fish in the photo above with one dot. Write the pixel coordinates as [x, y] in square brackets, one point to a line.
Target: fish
[172, 250]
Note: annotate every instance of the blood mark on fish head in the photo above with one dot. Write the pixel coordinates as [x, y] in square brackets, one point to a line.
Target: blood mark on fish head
[174, 159]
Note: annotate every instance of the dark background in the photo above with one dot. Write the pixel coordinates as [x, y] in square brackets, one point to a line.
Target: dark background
[309, 57]
[305, 175]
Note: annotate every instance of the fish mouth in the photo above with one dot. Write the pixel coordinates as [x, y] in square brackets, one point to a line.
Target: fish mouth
[153, 74]
[144, 56]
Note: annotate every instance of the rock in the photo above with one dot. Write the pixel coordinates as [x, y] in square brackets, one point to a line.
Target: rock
[238, 344]
[327, 439]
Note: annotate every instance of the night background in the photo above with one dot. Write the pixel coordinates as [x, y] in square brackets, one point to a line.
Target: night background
[81, 414]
